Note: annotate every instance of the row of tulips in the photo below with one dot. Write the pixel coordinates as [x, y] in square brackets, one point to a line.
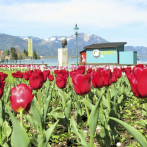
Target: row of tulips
[99, 78]
[29, 66]
[101, 102]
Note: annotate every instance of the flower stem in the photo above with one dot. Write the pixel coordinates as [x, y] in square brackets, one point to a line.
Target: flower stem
[109, 99]
[39, 99]
[0, 135]
[21, 111]
[3, 110]
[145, 104]
[87, 112]
[91, 142]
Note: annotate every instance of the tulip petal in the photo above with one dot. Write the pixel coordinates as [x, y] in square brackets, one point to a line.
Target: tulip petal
[142, 83]
[81, 83]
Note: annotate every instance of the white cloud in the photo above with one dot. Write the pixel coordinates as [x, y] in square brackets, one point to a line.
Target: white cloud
[98, 13]
[140, 2]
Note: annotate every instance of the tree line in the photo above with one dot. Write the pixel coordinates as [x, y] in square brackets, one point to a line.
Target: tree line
[15, 54]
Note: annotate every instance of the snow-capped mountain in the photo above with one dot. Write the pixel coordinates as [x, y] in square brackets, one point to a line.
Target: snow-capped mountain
[49, 46]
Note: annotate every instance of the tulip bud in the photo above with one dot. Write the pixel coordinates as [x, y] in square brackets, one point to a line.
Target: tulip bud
[61, 81]
[2, 84]
[21, 97]
[36, 80]
[51, 77]
[81, 83]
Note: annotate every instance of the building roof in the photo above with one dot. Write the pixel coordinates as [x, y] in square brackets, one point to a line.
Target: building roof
[104, 45]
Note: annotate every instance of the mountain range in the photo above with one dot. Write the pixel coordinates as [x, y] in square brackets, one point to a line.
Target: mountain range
[49, 47]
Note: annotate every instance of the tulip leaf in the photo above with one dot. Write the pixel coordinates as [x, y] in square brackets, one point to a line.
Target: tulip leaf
[88, 102]
[46, 93]
[43, 139]
[93, 119]
[7, 93]
[79, 109]
[102, 132]
[46, 104]
[101, 113]
[35, 113]
[79, 133]
[136, 134]
[113, 91]
[6, 130]
[49, 131]
[63, 96]
[109, 99]
[42, 142]
[89, 105]
[105, 101]
[119, 100]
[1, 112]
[19, 135]
[68, 108]
[5, 145]
[57, 115]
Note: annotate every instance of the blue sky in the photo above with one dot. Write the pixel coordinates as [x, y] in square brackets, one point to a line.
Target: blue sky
[113, 20]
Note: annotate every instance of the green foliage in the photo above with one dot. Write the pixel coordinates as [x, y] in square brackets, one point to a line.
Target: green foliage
[35, 56]
[137, 135]
[25, 53]
[93, 119]
[60, 116]
[19, 135]
[13, 53]
[7, 52]
[19, 56]
[80, 134]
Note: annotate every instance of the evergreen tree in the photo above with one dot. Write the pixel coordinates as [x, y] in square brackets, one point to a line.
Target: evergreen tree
[19, 56]
[7, 52]
[25, 53]
[34, 54]
[13, 53]
[38, 57]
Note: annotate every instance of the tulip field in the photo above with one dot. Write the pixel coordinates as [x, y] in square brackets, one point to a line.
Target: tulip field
[88, 106]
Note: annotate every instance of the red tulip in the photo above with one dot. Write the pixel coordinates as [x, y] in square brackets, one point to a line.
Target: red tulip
[96, 79]
[89, 70]
[123, 69]
[39, 72]
[81, 83]
[100, 69]
[66, 73]
[46, 73]
[3, 76]
[127, 70]
[56, 71]
[21, 97]
[138, 81]
[61, 81]
[18, 74]
[114, 77]
[26, 76]
[139, 65]
[29, 72]
[2, 84]
[106, 76]
[61, 73]
[72, 73]
[36, 80]
[118, 72]
[51, 77]
[81, 69]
